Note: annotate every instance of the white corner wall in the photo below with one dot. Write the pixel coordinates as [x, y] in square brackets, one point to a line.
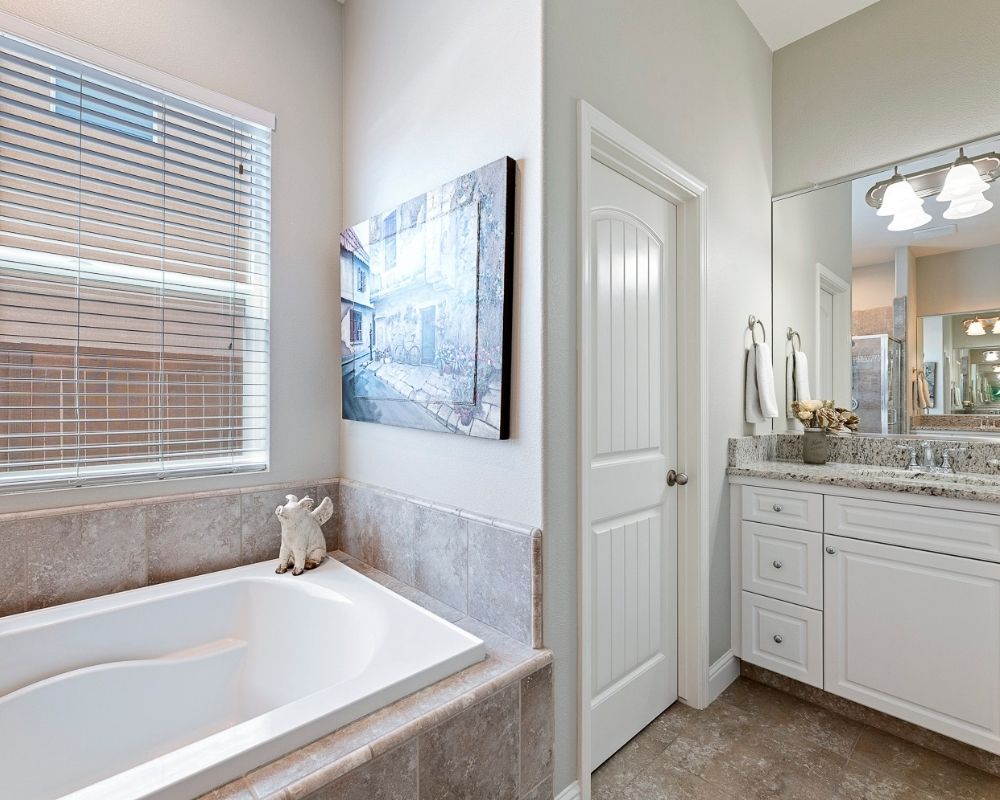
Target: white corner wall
[899, 78]
[285, 58]
[432, 90]
[693, 79]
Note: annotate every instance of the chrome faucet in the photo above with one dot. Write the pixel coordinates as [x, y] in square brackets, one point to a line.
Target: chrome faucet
[927, 461]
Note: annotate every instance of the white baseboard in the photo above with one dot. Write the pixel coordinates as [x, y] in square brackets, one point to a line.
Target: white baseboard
[571, 792]
[722, 673]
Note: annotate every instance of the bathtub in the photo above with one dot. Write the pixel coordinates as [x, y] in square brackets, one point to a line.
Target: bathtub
[169, 691]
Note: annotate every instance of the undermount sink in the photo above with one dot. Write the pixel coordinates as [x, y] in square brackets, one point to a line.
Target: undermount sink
[917, 476]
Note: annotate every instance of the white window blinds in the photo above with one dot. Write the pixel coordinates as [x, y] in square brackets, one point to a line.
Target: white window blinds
[134, 270]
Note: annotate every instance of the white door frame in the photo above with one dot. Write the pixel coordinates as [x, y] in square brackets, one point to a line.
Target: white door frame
[602, 139]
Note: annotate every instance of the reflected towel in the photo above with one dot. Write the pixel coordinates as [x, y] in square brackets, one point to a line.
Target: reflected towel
[921, 391]
[796, 380]
[761, 401]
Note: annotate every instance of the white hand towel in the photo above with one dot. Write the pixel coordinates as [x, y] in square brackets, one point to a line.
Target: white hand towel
[790, 385]
[753, 412]
[764, 373]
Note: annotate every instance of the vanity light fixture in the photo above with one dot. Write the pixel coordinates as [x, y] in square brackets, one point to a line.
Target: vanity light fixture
[996, 327]
[996, 369]
[991, 355]
[961, 184]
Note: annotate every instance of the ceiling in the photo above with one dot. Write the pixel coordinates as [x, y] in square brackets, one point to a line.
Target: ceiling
[873, 244]
[782, 22]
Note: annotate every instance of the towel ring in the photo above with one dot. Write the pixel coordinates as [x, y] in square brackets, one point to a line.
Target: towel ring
[792, 336]
[752, 323]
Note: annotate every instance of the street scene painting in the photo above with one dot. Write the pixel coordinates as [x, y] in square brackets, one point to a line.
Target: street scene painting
[425, 309]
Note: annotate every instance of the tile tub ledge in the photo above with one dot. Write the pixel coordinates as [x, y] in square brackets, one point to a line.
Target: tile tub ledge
[319, 764]
[850, 476]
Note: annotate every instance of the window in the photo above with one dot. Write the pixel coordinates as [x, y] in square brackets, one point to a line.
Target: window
[362, 281]
[134, 278]
[356, 335]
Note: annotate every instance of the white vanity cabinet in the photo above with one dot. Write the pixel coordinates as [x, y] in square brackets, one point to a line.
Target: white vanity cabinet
[885, 601]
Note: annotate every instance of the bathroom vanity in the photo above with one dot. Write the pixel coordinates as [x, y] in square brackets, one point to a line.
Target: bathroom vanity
[875, 584]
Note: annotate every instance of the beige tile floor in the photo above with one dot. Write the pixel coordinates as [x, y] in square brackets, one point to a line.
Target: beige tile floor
[756, 743]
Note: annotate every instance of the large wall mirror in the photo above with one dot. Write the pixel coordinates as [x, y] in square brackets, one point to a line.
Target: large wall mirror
[888, 288]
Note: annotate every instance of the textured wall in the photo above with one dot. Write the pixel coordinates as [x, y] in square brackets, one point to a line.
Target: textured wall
[692, 79]
[899, 78]
[285, 58]
[432, 90]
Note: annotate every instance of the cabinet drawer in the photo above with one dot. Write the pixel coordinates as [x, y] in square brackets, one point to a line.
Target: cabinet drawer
[783, 507]
[783, 638]
[939, 530]
[783, 563]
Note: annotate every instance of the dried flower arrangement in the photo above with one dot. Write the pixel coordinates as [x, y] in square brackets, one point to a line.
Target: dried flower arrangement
[822, 414]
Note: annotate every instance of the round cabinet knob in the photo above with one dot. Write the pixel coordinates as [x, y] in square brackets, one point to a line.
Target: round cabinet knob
[776, 508]
[778, 638]
[831, 551]
[777, 564]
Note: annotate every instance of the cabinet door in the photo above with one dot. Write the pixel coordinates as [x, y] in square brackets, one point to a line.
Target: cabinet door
[916, 635]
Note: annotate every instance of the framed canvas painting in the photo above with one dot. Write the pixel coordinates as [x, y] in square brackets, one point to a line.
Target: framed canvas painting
[425, 309]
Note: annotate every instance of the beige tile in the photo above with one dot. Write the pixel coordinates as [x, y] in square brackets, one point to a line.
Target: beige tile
[865, 783]
[788, 716]
[497, 642]
[441, 553]
[237, 790]
[541, 792]
[923, 769]
[261, 530]
[664, 781]
[85, 555]
[500, 580]
[536, 727]
[332, 525]
[13, 568]
[357, 521]
[392, 776]
[192, 537]
[393, 528]
[473, 755]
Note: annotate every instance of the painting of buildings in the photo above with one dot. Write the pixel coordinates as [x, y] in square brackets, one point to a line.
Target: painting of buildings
[426, 308]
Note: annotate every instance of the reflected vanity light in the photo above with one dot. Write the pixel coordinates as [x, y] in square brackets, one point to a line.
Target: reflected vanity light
[996, 327]
[974, 327]
[991, 355]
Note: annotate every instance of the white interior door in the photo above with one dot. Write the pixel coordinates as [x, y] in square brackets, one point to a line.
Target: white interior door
[632, 444]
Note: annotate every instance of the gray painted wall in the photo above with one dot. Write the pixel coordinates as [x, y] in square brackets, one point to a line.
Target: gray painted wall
[285, 58]
[693, 79]
[432, 90]
[899, 78]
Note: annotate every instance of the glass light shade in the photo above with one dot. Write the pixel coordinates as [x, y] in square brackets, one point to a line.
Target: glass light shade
[975, 328]
[996, 369]
[996, 330]
[909, 218]
[899, 196]
[963, 181]
[993, 355]
[965, 207]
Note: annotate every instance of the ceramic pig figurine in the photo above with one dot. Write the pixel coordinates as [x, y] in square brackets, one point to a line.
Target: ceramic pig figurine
[302, 542]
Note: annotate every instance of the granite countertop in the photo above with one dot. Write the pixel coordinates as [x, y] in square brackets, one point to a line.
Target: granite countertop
[312, 767]
[960, 486]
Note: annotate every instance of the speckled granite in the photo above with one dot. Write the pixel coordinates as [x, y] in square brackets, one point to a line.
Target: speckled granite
[869, 462]
[989, 423]
[468, 729]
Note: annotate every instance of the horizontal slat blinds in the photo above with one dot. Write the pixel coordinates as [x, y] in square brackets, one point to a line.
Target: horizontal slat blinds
[134, 269]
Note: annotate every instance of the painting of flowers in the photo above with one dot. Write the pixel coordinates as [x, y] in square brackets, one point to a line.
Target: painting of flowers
[425, 309]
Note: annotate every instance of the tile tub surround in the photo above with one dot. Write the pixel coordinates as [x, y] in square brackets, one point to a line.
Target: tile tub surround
[959, 751]
[65, 554]
[485, 732]
[487, 568]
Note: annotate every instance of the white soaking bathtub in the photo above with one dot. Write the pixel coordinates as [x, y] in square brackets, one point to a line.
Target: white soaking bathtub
[169, 691]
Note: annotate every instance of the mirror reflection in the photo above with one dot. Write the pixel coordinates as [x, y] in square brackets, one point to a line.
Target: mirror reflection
[887, 296]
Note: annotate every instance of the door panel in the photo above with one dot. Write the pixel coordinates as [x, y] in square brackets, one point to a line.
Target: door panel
[916, 635]
[632, 443]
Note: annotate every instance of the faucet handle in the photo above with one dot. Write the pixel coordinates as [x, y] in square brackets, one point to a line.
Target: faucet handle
[912, 451]
[946, 464]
